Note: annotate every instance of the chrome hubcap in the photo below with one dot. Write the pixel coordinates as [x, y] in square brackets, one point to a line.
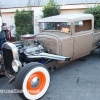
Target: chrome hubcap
[35, 82]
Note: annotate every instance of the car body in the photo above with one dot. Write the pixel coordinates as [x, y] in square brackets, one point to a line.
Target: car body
[79, 42]
[60, 40]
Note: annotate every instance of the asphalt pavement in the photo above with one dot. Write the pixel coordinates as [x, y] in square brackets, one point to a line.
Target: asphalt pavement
[78, 80]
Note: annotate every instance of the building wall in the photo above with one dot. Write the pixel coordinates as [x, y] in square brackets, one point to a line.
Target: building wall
[64, 11]
[37, 15]
[9, 19]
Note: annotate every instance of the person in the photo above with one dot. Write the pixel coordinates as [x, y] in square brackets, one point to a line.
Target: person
[0, 22]
[5, 33]
[0, 32]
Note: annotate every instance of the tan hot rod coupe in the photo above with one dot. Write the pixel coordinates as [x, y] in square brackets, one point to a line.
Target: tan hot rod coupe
[61, 39]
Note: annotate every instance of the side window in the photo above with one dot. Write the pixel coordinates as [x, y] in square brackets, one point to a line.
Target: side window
[83, 25]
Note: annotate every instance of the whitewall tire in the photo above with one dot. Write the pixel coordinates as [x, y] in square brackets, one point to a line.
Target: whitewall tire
[33, 79]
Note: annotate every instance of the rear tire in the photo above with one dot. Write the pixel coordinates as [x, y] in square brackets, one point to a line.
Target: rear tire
[33, 79]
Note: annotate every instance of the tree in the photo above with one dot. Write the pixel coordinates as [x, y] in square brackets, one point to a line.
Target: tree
[51, 9]
[96, 13]
[23, 23]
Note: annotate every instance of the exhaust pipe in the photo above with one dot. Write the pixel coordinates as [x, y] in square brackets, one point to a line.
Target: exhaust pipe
[49, 56]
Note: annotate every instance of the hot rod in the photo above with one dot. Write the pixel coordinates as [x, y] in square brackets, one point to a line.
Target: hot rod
[60, 40]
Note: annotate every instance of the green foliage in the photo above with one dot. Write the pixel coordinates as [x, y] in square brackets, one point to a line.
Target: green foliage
[96, 12]
[51, 9]
[23, 23]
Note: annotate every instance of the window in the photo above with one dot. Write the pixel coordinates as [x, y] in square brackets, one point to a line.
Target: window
[55, 26]
[86, 25]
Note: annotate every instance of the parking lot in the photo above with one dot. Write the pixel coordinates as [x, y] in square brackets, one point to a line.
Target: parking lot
[78, 80]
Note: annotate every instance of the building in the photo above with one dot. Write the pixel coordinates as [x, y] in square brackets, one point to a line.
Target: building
[8, 8]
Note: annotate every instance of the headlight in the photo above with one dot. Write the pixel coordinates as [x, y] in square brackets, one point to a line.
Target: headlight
[16, 65]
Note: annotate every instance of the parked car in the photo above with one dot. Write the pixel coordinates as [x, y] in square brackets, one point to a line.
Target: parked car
[62, 38]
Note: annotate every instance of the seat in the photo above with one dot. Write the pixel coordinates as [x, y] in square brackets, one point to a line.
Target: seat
[66, 30]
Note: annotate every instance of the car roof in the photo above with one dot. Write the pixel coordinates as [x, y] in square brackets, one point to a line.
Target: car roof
[67, 17]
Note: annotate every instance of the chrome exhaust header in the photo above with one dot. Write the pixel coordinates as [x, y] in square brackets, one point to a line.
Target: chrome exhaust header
[49, 56]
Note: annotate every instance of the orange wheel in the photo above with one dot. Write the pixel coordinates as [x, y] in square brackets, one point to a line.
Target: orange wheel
[33, 79]
[36, 83]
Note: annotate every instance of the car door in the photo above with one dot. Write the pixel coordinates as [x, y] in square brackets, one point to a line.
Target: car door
[83, 39]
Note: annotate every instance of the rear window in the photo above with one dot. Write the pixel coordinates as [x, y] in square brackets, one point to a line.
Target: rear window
[86, 25]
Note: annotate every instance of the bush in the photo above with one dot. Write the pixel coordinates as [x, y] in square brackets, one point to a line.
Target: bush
[23, 23]
[51, 9]
[96, 12]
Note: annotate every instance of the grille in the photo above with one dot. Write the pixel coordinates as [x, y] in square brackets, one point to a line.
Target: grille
[8, 58]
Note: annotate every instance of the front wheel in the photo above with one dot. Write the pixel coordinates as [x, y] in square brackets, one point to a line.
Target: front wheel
[33, 79]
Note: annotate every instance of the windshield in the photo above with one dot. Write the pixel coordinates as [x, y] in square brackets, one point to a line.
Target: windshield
[55, 26]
